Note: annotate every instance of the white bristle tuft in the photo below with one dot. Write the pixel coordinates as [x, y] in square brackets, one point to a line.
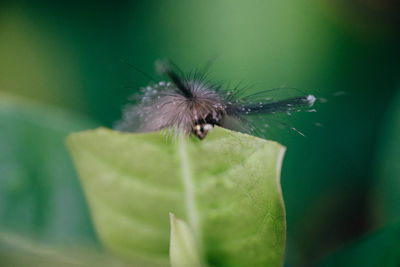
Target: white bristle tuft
[311, 100]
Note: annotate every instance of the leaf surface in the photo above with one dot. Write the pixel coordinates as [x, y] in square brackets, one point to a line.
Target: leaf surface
[386, 197]
[40, 193]
[226, 187]
[16, 250]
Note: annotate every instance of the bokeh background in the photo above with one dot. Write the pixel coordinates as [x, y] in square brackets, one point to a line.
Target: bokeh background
[62, 70]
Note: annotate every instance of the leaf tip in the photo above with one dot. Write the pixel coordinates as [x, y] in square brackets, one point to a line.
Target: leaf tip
[183, 251]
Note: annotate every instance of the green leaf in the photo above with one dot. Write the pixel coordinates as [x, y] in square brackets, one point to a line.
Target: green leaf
[379, 249]
[386, 198]
[39, 189]
[182, 249]
[226, 187]
[16, 250]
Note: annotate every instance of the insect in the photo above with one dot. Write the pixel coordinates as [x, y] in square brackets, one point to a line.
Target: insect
[194, 105]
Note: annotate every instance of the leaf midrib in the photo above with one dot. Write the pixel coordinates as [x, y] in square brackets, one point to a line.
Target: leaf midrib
[188, 188]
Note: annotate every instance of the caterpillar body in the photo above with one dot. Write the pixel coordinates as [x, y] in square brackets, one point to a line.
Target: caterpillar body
[194, 105]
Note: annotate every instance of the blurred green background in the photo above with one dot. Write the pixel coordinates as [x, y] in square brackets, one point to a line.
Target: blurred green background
[61, 71]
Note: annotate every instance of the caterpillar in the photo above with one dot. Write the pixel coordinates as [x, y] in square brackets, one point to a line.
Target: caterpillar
[194, 105]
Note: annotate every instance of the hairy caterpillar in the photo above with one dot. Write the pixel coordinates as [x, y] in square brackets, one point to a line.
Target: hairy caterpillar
[194, 105]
